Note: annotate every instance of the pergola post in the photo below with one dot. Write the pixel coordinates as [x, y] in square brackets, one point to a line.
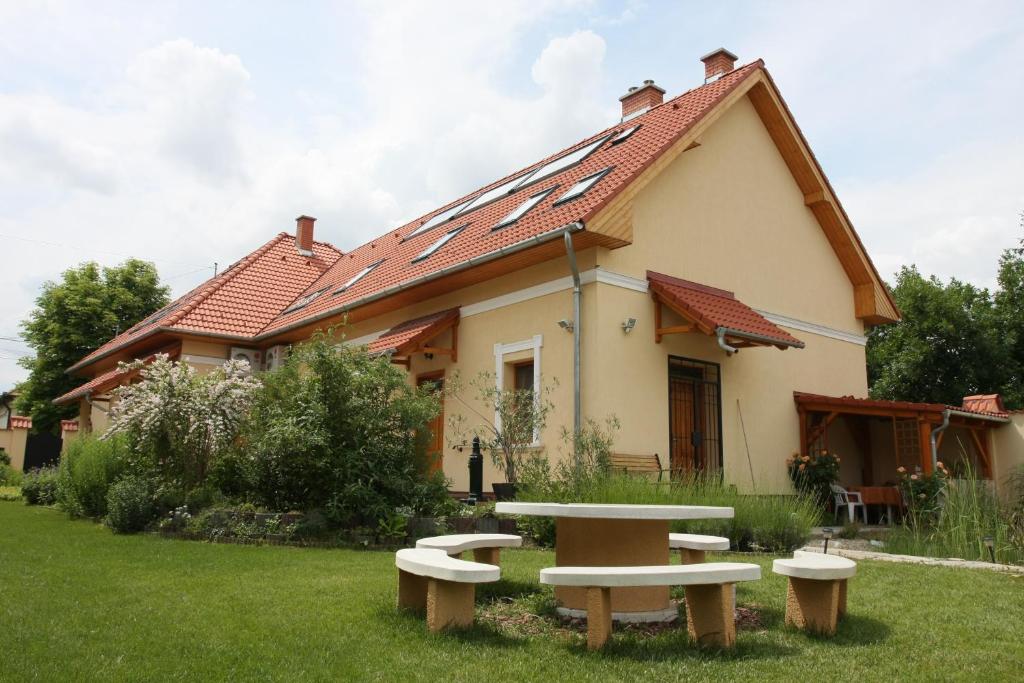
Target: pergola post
[925, 439]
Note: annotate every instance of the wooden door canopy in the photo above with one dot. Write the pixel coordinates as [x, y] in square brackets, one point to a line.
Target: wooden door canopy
[415, 336]
[708, 310]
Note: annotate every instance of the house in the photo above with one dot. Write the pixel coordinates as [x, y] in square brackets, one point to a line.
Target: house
[691, 260]
[14, 430]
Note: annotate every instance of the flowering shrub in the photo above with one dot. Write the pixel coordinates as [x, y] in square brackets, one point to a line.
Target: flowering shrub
[177, 420]
[814, 474]
[923, 492]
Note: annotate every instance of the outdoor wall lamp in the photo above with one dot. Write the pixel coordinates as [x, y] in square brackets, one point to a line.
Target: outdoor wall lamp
[428, 356]
[628, 324]
[827, 533]
[990, 543]
[566, 325]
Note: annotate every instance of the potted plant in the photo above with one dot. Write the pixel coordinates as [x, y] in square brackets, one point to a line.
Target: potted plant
[517, 417]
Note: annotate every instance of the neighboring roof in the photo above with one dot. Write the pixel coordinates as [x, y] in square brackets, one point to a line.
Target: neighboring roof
[240, 301]
[711, 309]
[20, 422]
[840, 402]
[406, 337]
[109, 379]
[69, 425]
[985, 403]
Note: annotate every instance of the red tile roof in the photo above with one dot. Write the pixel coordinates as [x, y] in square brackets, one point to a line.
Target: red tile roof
[109, 379]
[69, 425]
[405, 337]
[711, 309]
[985, 403]
[21, 422]
[238, 302]
[936, 408]
[659, 129]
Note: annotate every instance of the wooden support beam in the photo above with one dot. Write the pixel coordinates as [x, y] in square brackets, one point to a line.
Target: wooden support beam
[803, 430]
[657, 319]
[675, 329]
[818, 197]
[455, 341]
[979, 445]
[821, 428]
[925, 437]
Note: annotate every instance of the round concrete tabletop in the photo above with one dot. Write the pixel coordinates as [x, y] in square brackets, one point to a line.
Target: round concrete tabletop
[615, 511]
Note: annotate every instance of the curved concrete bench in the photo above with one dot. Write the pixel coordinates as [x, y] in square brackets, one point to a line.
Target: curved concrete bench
[444, 586]
[693, 548]
[816, 596]
[710, 618]
[486, 547]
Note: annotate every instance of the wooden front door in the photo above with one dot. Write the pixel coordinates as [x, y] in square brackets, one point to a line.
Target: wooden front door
[695, 411]
[435, 442]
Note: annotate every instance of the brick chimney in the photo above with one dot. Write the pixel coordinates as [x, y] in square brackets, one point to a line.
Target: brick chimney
[304, 234]
[718, 63]
[641, 98]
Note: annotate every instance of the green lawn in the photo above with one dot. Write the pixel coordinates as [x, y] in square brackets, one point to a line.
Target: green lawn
[78, 603]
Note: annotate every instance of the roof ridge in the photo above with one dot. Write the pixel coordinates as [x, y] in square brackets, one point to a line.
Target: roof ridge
[215, 283]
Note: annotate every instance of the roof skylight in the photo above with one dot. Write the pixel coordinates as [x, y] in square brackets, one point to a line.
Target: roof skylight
[492, 194]
[521, 210]
[304, 301]
[447, 237]
[438, 219]
[358, 276]
[563, 162]
[582, 186]
[625, 133]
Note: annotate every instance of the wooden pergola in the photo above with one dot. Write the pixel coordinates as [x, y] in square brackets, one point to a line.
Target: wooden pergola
[912, 423]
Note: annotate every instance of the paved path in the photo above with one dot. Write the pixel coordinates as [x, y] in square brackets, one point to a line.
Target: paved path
[915, 559]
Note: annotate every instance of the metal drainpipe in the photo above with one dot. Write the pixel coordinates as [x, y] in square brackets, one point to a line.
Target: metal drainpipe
[720, 333]
[577, 294]
[935, 437]
[92, 404]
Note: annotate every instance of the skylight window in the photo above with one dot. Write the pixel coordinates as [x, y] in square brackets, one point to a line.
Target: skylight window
[494, 193]
[521, 210]
[440, 218]
[447, 237]
[582, 186]
[625, 133]
[563, 162]
[302, 302]
[358, 276]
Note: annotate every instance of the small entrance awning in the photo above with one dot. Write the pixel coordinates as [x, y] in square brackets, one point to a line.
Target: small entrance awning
[715, 312]
[108, 380]
[414, 336]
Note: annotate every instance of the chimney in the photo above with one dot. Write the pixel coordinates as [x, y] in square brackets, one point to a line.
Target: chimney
[304, 234]
[639, 100]
[718, 63]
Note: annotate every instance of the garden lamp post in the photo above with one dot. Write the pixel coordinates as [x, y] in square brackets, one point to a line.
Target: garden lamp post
[827, 533]
[990, 543]
[476, 473]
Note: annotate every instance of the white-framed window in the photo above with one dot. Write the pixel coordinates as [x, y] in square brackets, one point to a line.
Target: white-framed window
[505, 369]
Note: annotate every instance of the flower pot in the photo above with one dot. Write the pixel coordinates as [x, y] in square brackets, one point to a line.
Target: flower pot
[504, 491]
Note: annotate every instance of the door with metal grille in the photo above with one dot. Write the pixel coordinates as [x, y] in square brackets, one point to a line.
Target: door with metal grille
[695, 416]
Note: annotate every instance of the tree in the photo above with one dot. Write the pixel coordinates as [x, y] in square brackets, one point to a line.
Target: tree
[947, 346]
[74, 317]
[1009, 303]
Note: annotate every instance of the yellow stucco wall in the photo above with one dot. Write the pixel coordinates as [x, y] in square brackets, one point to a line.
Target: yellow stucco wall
[13, 441]
[1008, 450]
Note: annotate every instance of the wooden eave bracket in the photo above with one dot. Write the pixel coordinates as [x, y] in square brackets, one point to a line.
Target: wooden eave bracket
[661, 330]
[403, 355]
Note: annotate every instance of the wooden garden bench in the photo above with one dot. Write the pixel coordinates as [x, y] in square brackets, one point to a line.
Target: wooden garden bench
[710, 618]
[486, 547]
[816, 597]
[444, 586]
[647, 465]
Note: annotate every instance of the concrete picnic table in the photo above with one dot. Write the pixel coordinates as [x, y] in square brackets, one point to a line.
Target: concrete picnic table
[613, 535]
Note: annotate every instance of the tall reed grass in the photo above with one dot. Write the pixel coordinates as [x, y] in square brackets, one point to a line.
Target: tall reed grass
[971, 510]
[768, 523]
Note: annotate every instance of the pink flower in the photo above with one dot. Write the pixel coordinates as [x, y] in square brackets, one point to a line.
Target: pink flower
[913, 476]
[901, 470]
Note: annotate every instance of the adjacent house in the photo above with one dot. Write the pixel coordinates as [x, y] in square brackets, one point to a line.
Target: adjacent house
[689, 270]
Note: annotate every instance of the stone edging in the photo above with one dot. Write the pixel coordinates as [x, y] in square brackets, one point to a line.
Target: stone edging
[952, 562]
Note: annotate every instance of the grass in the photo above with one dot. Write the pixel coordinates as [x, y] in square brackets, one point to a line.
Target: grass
[79, 603]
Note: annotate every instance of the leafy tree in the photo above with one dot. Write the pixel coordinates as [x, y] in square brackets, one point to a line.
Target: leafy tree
[74, 317]
[1009, 303]
[947, 346]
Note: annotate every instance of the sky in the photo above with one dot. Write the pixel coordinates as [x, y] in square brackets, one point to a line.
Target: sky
[190, 133]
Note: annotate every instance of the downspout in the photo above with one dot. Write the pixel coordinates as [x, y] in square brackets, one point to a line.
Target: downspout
[88, 399]
[720, 334]
[935, 437]
[577, 294]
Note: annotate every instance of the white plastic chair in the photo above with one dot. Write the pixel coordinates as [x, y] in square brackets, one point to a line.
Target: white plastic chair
[850, 499]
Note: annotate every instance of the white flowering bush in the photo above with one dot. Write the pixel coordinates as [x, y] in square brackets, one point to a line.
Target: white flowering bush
[177, 420]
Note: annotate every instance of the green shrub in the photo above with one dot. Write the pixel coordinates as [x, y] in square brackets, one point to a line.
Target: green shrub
[813, 474]
[5, 459]
[10, 494]
[9, 476]
[767, 523]
[39, 486]
[130, 505]
[335, 428]
[87, 469]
